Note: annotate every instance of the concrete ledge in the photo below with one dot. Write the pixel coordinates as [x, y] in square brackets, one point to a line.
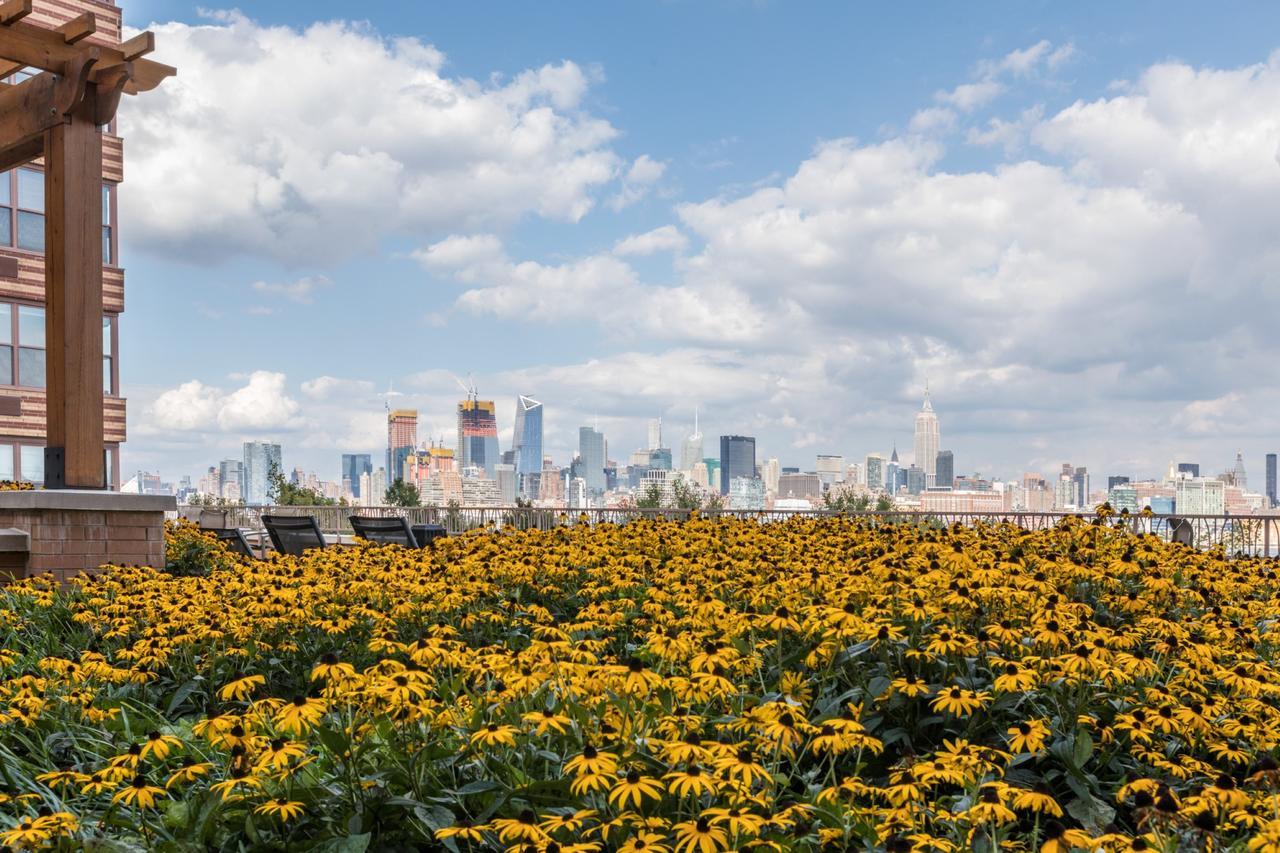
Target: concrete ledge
[12, 539]
[87, 500]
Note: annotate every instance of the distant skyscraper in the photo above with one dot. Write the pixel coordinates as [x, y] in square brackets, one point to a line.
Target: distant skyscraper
[945, 469]
[737, 459]
[892, 472]
[830, 468]
[1080, 481]
[655, 434]
[875, 471]
[353, 465]
[1191, 469]
[660, 459]
[1271, 479]
[231, 471]
[927, 437]
[591, 452]
[691, 449]
[260, 457]
[1118, 480]
[1238, 472]
[477, 435]
[915, 480]
[771, 471]
[506, 476]
[402, 438]
[526, 445]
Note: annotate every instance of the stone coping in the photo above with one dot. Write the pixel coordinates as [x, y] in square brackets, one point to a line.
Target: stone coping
[87, 500]
[13, 539]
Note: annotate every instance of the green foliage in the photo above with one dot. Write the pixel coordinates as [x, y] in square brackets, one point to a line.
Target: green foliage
[846, 501]
[401, 493]
[650, 498]
[192, 552]
[283, 493]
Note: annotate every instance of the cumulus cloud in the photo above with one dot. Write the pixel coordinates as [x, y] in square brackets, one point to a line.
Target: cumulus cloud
[369, 136]
[665, 239]
[639, 180]
[262, 403]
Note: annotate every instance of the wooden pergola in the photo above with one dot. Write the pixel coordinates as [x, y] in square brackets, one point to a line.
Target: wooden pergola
[56, 115]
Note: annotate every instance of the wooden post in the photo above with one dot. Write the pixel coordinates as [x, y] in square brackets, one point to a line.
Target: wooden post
[75, 457]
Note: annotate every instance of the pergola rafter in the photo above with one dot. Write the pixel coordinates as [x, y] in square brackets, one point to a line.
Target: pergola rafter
[56, 115]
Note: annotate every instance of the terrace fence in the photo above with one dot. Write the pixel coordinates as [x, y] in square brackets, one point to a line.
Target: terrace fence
[1257, 535]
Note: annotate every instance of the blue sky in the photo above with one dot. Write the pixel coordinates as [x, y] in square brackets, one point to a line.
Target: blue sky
[821, 177]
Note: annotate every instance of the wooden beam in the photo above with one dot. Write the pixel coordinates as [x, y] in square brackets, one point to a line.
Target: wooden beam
[14, 10]
[79, 28]
[27, 110]
[138, 46]
[11, 158]
[73, 313]
[25, 44]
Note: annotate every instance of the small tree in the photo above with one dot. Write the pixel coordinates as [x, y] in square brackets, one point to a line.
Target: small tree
[283, 493]
[401, 493]
[685, 495]
[846, 501]
[884, 504]
[651, 498]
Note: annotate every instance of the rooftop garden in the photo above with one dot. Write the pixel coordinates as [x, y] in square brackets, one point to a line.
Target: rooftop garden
[679, 687]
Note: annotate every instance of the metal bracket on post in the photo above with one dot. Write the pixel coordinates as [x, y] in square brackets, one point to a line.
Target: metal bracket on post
[55, 468]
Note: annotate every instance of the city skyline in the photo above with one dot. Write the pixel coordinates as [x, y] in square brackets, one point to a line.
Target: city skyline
[1001, 203]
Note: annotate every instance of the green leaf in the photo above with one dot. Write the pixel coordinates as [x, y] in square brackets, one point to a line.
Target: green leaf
[477, 787]
[435, 817]
[350, 844]
[1083, 749]
[182, 693]
[1092, 813]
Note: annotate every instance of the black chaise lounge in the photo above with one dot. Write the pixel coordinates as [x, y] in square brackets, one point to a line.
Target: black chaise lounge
[293, 534]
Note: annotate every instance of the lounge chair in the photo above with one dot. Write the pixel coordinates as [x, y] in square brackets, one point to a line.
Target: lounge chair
[293, 534]
[393, 530]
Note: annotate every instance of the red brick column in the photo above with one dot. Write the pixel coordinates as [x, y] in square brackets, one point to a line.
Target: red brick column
[76, 531]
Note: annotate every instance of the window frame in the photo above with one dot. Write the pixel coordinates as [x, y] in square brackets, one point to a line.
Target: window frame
[110, 211]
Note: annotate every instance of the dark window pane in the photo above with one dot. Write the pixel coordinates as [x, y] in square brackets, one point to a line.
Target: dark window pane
[31, 367]
[6, 225]
[31, 231]
[6, 461]
[32, 463]
[31, 190]
[106, 377]
[6, 366]
[30, 326]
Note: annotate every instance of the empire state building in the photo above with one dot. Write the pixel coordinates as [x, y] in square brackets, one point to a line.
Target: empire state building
[927, 439]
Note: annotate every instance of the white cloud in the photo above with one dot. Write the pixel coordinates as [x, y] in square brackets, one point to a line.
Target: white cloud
[665, 239]
[262, 403]
[327, 387]
[312, 144]
[969, 96]
[639, 180]
[301, 290]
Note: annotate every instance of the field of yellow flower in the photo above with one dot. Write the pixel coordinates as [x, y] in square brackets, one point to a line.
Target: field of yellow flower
[818, 684]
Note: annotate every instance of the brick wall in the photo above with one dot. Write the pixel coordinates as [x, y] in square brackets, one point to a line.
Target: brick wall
[68, 540]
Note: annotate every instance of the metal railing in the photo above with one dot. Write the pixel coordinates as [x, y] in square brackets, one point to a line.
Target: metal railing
[1247, 534]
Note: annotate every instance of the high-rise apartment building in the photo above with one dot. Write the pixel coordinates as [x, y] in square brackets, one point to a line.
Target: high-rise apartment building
[1271, 479]
[945, 470]
[354, 466]
[1080, 480]
[927, 438]
[261, 458]
[655, 434]
[478, 435]
[23, 427]
[1117, 480]
[737, 459]
[402, 438]
[526, 445]
[1191, 469]
[591, 452]
[874, 472]
[231, 477]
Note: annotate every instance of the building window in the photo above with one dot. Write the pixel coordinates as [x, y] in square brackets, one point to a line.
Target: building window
[30, 346]
[30, 210]
[31, 464]
[6, 462]
[22, 212]
[108, 355]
